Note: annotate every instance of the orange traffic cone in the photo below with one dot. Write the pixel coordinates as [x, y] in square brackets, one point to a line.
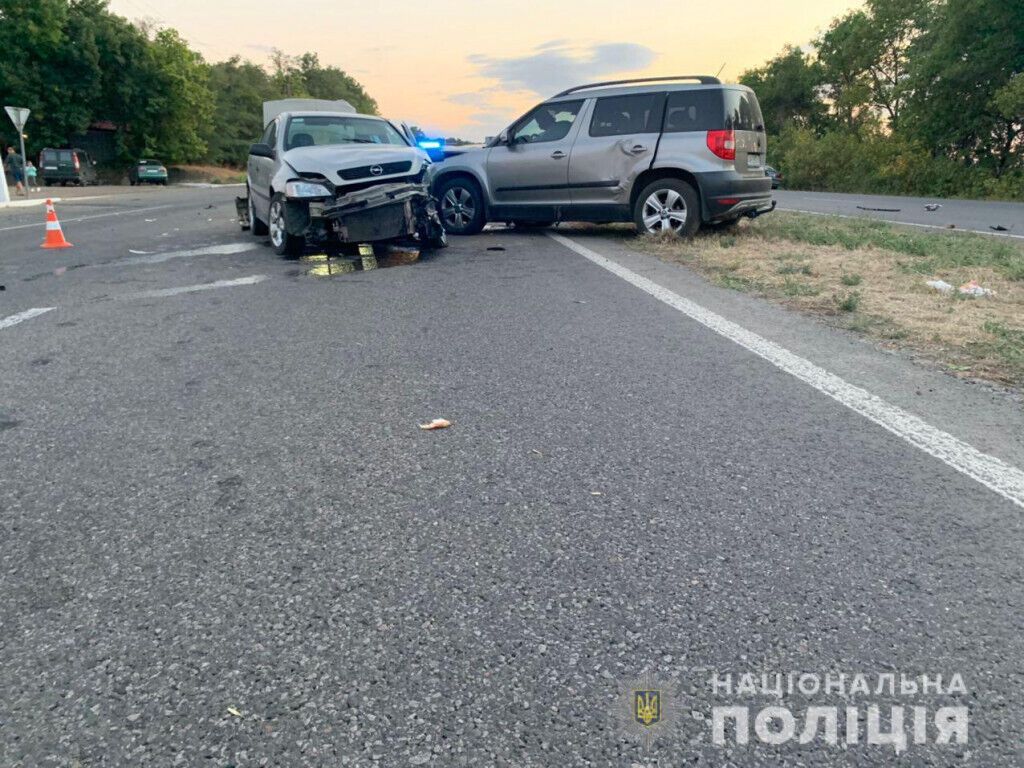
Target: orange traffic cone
[54, 234]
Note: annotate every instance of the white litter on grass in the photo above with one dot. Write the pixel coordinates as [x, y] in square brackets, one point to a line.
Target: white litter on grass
[974, 289]
[967, 289]
[941, 286]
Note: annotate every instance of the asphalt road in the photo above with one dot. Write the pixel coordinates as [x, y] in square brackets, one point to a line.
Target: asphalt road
[225, 541]
[973, 215]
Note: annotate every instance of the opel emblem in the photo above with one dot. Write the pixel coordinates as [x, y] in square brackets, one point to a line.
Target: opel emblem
[376, 170]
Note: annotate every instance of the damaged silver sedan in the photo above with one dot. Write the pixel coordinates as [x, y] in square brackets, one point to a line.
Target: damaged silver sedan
[335, 177]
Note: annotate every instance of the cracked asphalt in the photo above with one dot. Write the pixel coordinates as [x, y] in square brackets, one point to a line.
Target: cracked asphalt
[224, 540]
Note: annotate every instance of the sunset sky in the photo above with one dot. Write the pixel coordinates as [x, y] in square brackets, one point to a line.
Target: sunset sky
[467, 69]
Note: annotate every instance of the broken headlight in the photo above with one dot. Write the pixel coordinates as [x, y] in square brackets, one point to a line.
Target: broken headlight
[301, 189]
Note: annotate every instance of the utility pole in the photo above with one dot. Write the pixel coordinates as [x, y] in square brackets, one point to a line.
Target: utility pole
[19, 116]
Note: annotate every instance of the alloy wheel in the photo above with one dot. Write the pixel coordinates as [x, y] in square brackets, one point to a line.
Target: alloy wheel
[665, 211]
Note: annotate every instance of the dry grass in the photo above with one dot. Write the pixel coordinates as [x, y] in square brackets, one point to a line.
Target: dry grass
[206, 174]
[870, 277]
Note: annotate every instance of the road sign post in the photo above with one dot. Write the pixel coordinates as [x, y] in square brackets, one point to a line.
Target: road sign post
[19, 116]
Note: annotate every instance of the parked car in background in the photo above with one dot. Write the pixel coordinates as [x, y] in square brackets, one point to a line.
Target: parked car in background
[323, 176]
[774, 175]
[67, 166]
[667, 153]
[148, 172]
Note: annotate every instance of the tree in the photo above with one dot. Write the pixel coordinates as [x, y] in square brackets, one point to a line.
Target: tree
[787, 88]
[304, 76]
[844, 69]
[965, 102]
[240, 88]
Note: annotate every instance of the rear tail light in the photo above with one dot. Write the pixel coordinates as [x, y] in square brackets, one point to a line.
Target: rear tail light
[78, 165]
[723, 144]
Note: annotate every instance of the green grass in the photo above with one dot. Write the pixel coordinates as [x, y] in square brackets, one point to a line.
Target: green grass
[1007, 345]
[931, 251]
[851, 280]
[791, 287]
[794, 269]
[848, 302]
[736, 283]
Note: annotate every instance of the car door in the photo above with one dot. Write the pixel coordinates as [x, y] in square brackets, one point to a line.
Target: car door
[261, 169]
[532, 168]
[615, 147]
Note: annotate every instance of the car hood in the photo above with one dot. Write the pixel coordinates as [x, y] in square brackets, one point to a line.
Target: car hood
[328, 160]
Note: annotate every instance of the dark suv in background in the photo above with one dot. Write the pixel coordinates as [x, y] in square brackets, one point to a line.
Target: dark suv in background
[67, 166]
[667, 153]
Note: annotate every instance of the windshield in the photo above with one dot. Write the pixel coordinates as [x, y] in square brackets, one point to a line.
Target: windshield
[321, 130]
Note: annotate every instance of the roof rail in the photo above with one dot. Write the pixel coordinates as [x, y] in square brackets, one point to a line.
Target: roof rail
[702, 79]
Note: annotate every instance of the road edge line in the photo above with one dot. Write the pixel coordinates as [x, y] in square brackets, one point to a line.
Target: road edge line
[12, 320]
[995, 474]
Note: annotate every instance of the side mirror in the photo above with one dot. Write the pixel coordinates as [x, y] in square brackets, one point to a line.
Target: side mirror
[506, 137]
[262, 150]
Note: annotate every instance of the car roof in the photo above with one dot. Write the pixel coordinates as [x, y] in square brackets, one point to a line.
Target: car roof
[332, 114]
[630, 90]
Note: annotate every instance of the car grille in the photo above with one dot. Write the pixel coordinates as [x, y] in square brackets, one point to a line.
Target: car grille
[344, 189]
[364, 172]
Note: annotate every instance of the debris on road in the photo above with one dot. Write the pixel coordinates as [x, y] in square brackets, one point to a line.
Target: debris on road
[998, 228]
[436, 424]
[932, 206]
[495, 248]
[139, 253]
[882, 210]
[972, 288]
[234, 711]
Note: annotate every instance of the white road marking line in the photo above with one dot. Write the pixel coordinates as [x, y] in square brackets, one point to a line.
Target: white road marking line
[993, 473]
[905, 223]
[87, 218]
[21, 317]
[162, 292]
[157, 258]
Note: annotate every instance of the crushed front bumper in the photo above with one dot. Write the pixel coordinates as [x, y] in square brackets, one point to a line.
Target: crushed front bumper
[384, 212]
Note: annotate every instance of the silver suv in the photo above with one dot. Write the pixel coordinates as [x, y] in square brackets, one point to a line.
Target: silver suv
[662, 152]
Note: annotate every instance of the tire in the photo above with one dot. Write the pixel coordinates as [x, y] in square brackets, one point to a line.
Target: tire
[667, 205]
[258, 228]
[285, 243]
[132, 182]
[461, 206]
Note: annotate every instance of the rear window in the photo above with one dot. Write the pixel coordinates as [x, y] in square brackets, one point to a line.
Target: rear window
[618, 115]
[699, 109]
[64, 156]
[742, 112]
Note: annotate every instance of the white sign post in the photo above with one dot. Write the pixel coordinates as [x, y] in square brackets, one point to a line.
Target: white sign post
[19, 116]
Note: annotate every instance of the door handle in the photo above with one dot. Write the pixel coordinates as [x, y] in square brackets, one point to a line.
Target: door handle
[638, 148]
[558, 154]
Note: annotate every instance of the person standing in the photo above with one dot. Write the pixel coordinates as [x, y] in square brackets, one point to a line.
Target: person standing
[31, 180]
[16, 165]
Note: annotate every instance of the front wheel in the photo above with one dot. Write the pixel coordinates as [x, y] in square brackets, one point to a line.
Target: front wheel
[667, 206]
[285, 243]
[462, 206]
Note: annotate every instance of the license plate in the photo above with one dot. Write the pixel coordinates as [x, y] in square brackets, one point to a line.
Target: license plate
[753, 161]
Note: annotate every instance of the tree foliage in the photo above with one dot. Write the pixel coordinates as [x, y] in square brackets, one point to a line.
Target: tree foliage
[922, 96]
[74, 63]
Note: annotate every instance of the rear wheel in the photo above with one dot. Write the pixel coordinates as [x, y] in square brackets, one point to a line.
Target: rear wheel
[285, 243]
[259, 228]
[462, 206]
[667, 206]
